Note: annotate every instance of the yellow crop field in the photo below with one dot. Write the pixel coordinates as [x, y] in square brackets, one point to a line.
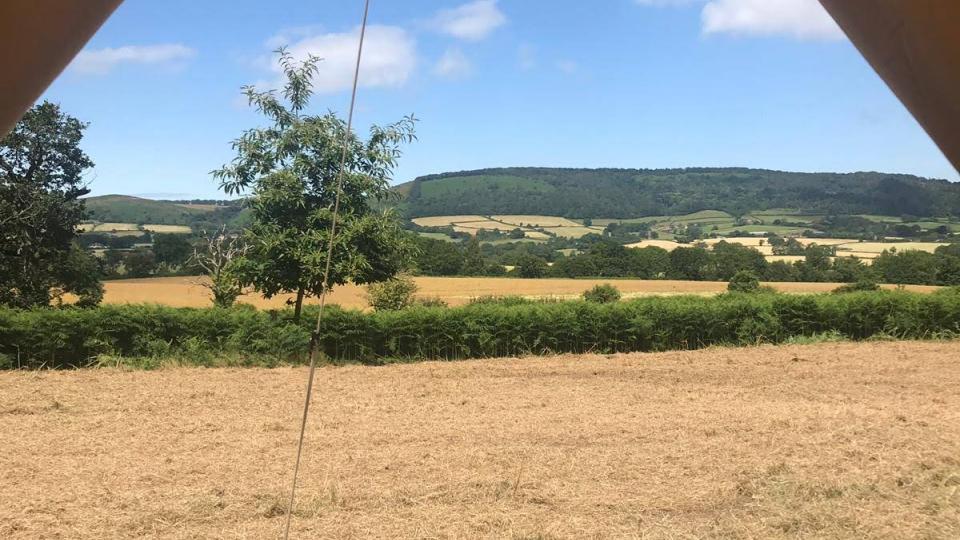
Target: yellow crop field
[790, 259]
[668, 245]
[744, 241]
[189, 291]
[444, 221]
[879, 247]
[824, 241]
[108, 227]
[537, 221]
[490, 225]
[835, 440]
[170, 229]
[574, 232]
[122, 229]
[536, 235]
[866, 251]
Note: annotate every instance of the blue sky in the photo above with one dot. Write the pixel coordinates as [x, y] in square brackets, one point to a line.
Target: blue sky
[612, 83]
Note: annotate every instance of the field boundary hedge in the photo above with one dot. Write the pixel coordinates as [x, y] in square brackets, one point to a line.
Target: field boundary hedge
[147, 334]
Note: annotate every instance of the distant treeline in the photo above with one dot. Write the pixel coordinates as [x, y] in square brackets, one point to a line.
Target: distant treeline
[151, 336]
[625, 193]
[605, 258]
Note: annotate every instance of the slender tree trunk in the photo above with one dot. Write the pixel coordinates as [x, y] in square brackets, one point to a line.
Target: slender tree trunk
[299, 305]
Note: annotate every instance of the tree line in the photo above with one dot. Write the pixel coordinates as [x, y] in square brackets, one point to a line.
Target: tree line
[605, 258]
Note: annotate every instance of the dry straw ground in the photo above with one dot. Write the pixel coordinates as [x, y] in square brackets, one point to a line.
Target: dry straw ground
[188, 291]
[825, 441]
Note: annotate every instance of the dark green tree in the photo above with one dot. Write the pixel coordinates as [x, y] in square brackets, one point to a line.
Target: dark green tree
[781, 271]
[140, 263]
[689, 263]
[914, 267]
[290, 169]
[172, 249]
[532, 267]
[728, 259]
[744, 281]
[41, 169]
[649, 262]
[473, 262]
[438, 257]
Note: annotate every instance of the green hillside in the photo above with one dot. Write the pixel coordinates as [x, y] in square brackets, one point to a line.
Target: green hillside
[127, 209]
[631, 193]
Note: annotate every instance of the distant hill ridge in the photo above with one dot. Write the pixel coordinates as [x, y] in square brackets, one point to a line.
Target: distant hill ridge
[605, 193]
[129, 209]
[628, 193]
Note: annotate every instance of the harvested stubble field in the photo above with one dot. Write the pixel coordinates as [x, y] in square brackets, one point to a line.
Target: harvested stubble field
[188, 291]
[829, 441]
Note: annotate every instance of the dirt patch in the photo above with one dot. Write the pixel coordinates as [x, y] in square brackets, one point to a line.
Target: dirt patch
[827, 441]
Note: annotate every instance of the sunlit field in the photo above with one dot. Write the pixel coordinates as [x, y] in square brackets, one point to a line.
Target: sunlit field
[819, 441]
[189, 291]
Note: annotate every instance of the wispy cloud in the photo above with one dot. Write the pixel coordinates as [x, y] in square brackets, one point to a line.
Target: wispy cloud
[389, 56]
[472, 21]
[801, 19]
[453, 64]
[102, 61]
[798, 19]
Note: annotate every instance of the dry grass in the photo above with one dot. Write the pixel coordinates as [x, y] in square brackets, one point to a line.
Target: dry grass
[111, 226]
[668, 245]
[743, 241]
[537, 221]
[574, 232]
[473, 226]
[824, 441]
[126, 228]
[173, 229]
[188, 291]
[443, 221]
[879, 247]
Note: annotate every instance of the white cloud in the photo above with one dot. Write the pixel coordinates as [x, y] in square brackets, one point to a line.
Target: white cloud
[802, 19]
[389, 57]
[102, 61]
[472, 21]
[453, 64]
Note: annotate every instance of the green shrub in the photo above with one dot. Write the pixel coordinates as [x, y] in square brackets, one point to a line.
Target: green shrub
[744, 281]
[432, 301]
[148, 336]
[858, 286]
[602, 294]
[490, 299]
[390, 295]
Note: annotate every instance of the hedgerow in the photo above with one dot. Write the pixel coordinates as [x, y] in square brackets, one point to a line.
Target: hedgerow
[145, 334]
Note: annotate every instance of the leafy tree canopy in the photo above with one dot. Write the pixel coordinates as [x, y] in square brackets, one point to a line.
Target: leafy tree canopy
[290, 169]
[41, 168]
